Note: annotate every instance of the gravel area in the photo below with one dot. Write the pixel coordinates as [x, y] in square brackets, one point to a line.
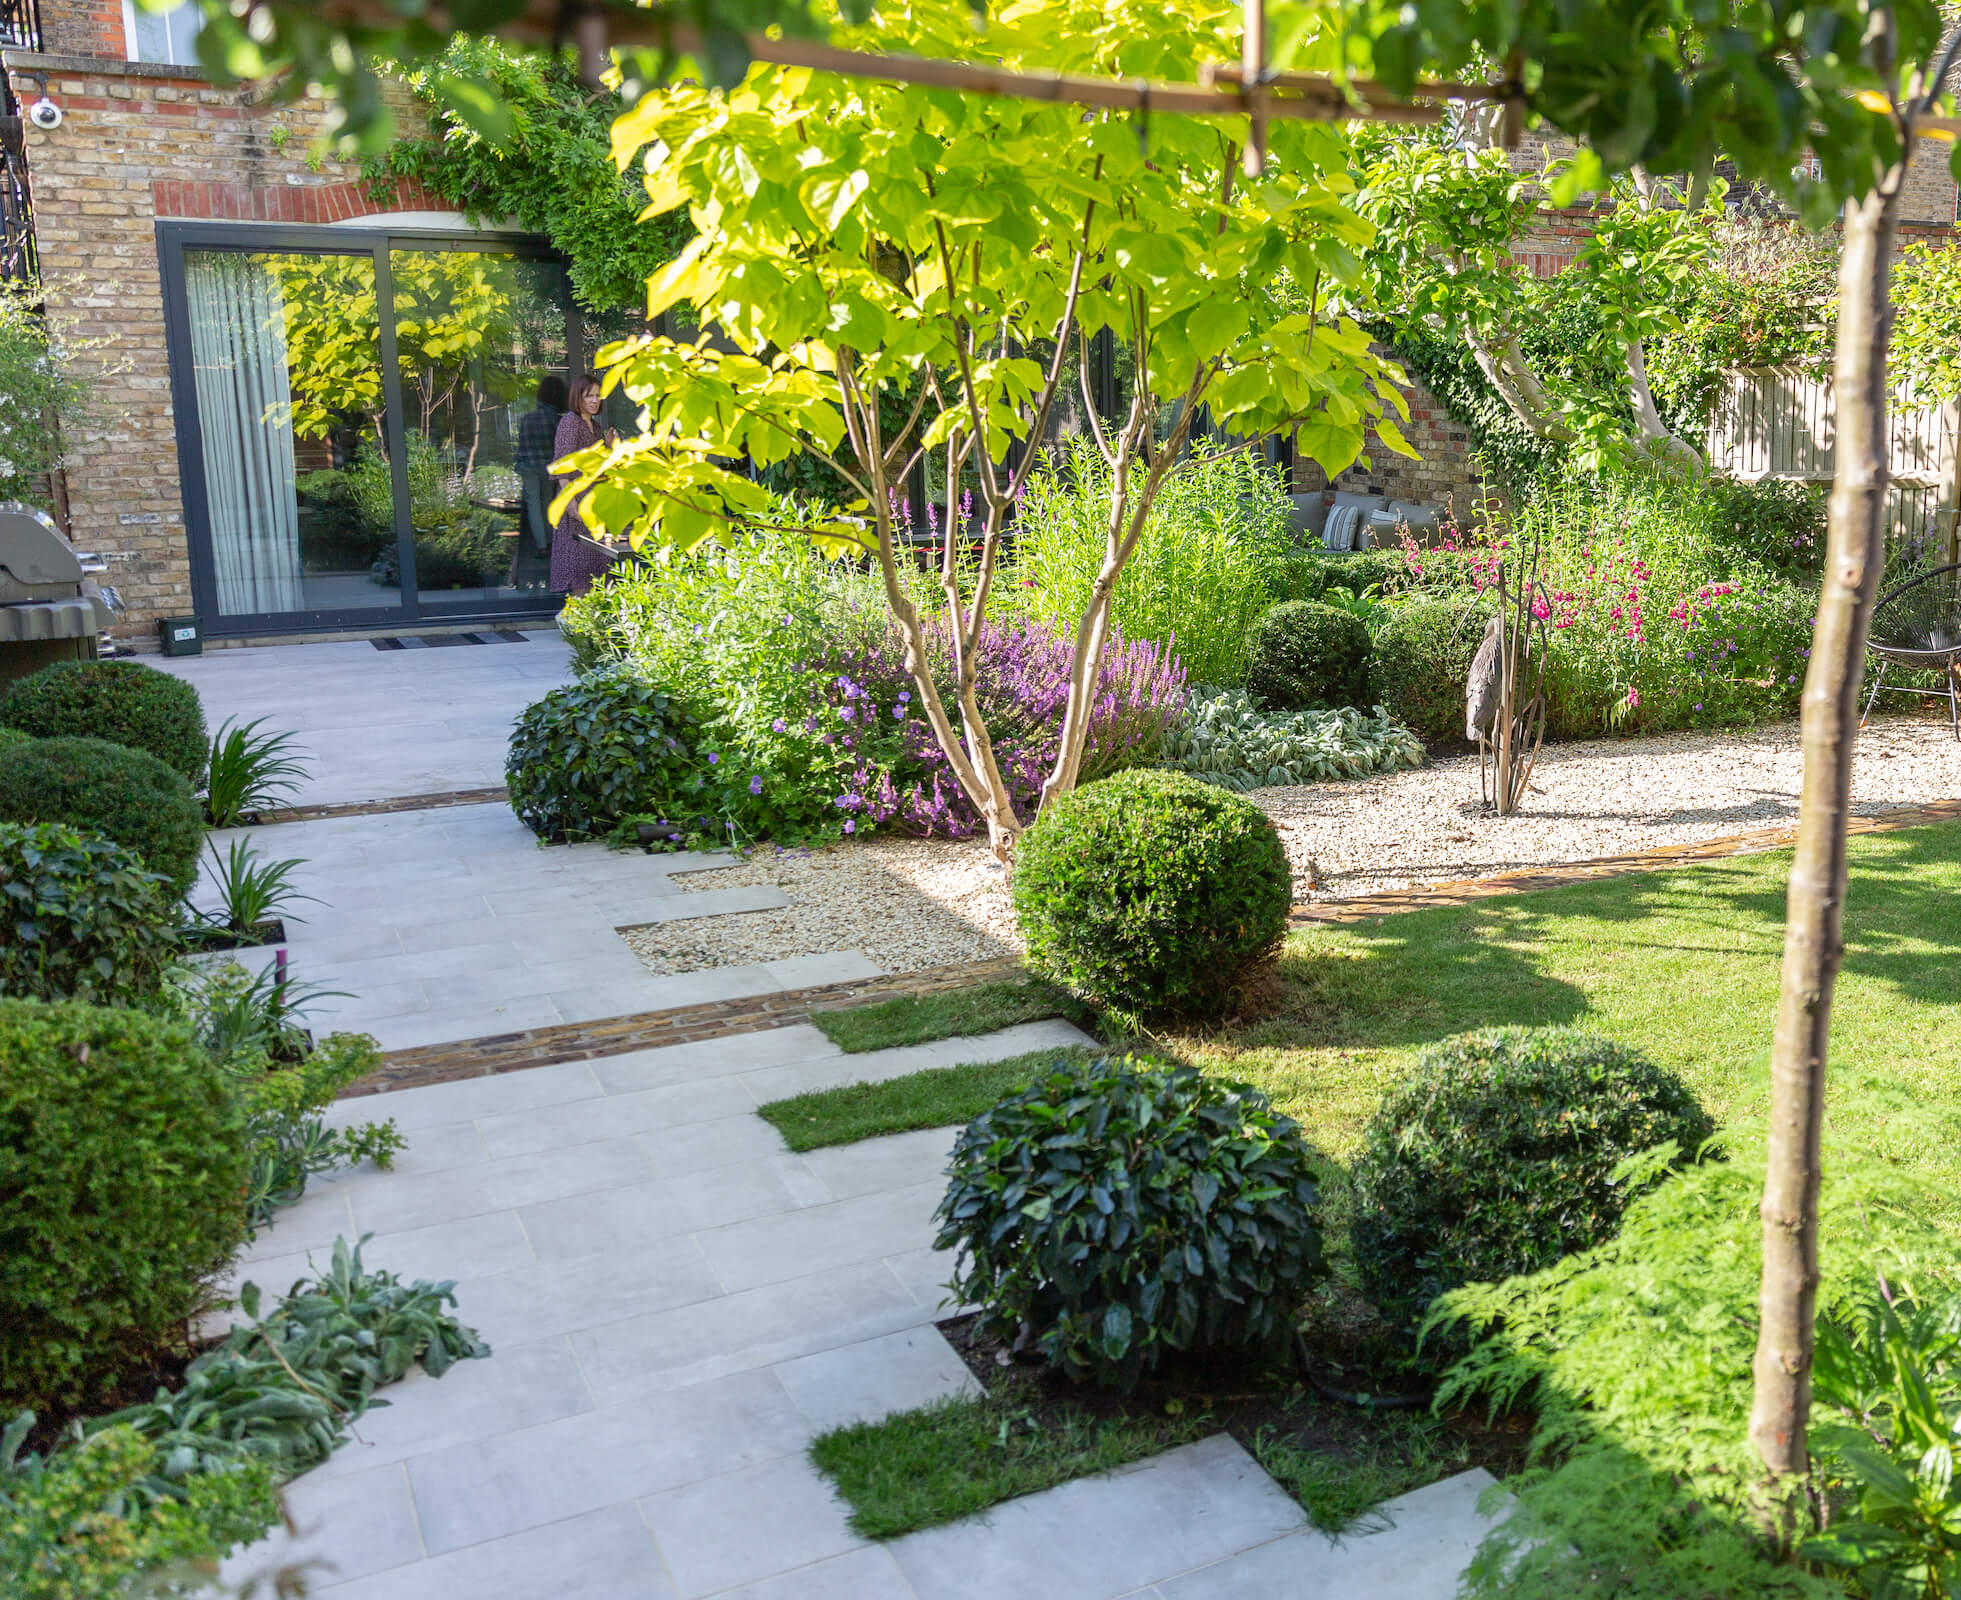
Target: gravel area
[906, 903]
[913, 903]
[1603, 797]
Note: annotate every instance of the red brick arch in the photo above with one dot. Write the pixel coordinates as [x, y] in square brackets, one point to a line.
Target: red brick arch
[289, 202]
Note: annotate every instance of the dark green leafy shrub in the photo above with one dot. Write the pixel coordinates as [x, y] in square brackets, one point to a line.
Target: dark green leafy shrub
[608, 746]
[88, 1523]
[123, 794]
[1497, 1156]
[1422, 657]
[121, 701]
[1119, 1209]
[79, 917]
[123, 1167]
[1152, 892]
[1306, 656]
[9, 737]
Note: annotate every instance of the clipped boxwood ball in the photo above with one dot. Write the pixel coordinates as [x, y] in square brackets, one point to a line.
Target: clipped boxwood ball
[1423, 657]
[79, 917]
[1306, 656]
[123, 1173]
[608, 746]
[110, 789]
[1496, 1157]
[1118, 1209]
[1152, 892]
[124, 702]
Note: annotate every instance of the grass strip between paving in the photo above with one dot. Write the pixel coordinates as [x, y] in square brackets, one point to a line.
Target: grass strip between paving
[954, 1013]
[918, 1469]
[939, 1097]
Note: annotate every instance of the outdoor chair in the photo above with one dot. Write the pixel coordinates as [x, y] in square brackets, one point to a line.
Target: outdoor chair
[1917, 624]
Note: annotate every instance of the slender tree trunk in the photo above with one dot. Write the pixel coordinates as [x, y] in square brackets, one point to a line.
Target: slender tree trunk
[1814, 923]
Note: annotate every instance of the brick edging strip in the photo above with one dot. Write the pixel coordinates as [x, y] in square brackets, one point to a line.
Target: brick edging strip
[381, 808]
[583, 1041]
[1623, 866]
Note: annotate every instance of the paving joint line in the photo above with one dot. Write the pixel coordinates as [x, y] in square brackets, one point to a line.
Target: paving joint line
[553, 1045]
[439, 801]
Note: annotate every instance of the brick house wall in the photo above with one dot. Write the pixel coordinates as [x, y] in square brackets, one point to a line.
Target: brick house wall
[139, 142]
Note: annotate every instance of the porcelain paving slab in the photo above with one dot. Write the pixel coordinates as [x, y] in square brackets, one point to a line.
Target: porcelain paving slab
[381, 723]
[677, 1305]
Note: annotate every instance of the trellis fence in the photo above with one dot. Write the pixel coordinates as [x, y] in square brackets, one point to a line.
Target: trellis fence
[1776, 422]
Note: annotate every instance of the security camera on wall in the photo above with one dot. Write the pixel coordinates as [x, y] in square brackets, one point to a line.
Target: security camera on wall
[44, 114]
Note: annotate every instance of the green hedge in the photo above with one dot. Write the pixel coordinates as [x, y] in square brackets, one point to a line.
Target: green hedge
[1496, 1156]
[109, 789]
[1152, 893]
[124, 702]
[1307, 656]
[123, 1168]
[1423, 657]
[79, 917]
[1309, 574]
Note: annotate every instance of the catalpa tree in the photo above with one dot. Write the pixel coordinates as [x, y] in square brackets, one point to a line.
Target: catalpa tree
[858, 240]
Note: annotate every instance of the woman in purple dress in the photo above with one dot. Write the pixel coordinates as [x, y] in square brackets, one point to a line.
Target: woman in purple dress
[574, 562]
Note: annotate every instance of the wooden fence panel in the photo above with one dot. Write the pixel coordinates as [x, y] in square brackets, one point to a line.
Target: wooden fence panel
[1776, 422]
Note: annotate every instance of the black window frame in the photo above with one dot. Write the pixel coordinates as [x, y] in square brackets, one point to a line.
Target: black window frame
[411, 608]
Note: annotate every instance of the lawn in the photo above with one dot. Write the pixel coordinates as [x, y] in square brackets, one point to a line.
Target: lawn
[1682, 964]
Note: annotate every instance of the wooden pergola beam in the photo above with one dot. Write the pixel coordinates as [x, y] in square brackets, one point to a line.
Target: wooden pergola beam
[596, 30]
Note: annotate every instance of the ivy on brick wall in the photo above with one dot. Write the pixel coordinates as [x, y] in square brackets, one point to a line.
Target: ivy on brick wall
[553, 174]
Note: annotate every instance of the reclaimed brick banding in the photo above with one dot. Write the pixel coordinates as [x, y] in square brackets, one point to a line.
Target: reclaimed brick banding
[584, 1041]
[377, 808]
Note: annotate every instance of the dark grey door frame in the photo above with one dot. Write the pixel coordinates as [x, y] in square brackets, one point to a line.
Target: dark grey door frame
[173, 237]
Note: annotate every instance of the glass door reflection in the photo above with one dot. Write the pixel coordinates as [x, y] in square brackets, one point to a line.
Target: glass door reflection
[287, 378]
[480, 340]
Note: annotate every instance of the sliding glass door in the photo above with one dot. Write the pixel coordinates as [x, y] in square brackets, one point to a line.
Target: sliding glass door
[363, 422]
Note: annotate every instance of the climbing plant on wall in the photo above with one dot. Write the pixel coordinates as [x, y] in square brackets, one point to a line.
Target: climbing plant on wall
[552, 174]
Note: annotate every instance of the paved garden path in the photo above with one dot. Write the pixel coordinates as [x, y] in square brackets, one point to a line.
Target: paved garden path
[677, 1305]
[377, 724]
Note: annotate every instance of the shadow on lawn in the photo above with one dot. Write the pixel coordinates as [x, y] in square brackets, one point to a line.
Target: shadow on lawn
[1530, 959]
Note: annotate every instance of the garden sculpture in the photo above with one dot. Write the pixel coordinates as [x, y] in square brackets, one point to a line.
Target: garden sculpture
[1505, 698]
[1917, 625]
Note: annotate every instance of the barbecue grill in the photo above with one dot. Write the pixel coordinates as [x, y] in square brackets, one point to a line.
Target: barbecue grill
[51, 608]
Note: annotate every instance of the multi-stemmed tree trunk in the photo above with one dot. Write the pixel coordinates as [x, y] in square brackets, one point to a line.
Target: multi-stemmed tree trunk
[1814, 940]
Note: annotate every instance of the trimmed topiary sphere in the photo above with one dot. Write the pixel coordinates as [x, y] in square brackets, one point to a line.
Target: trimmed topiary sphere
[1118, 1209]
[606, 747]
[1423, 657]
[79, 917]
[1306, 656]
[1152, 892]
[108, 789]
[1496, 1157]
[123, 1169]
[121, 701]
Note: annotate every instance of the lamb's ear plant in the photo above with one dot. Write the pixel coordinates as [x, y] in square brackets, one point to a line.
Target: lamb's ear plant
[877, 248]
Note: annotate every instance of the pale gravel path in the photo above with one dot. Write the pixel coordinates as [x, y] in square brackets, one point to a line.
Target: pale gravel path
[914, 903]
[1602, 797]
[906, 903]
